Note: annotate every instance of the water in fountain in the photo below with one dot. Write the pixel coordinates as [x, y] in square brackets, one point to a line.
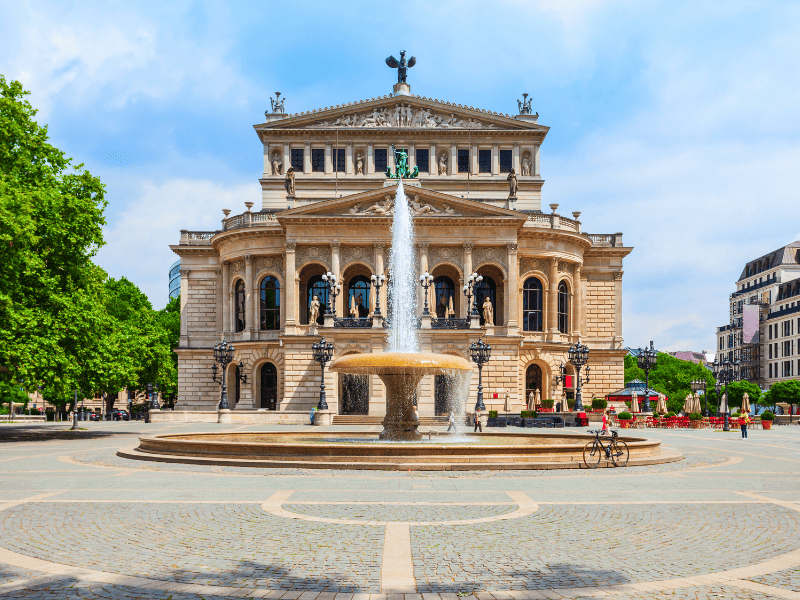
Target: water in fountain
[402, 333]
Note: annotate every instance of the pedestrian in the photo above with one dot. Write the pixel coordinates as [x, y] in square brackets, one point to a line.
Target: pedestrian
[451, 422]
[606, 419]
[311, 415]
[744, 421]
[478, 425]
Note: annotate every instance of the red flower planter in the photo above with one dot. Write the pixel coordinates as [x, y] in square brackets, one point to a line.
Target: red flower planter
[625, 423]
[766, 424]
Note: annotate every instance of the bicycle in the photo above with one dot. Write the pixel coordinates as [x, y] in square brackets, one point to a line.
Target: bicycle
[616, 450]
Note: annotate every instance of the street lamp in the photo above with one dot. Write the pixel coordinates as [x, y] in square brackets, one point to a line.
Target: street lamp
[131, 398]
[725, 373]
[697, 385]
[480, 353]
[74, 412]
[330, 282]
[578, 357]
[323, 352]
[425, 281]
[647, 360]
[469, 292]
[223, 354]
[378, 281]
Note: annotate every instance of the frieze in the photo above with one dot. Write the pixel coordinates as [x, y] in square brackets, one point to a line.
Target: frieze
[438, 254]
[483, 254]
[527, 264]
[270, 263]
[566, 267]
[237, 267]
[358, 253]
[385, 208]
[314, 253]
[403, 115]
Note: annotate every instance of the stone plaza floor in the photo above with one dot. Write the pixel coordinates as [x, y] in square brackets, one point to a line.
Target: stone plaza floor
[77, 521]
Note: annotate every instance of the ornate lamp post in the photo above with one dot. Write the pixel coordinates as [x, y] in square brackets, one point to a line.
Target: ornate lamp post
[697, 385]
[425, 280]
[469, 292]
[223, 355]
[330, 282]
[378, 281]
[154, 405]
[647, 360]
[323, 351]
[578, 357]
[74, 412]
[480, 353]
[725, 373]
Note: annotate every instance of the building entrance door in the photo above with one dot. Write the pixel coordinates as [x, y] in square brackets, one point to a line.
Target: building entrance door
[533, 381]
[354, 394]
[269, 387]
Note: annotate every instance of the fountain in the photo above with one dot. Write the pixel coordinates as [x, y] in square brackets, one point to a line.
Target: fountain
[403, 366]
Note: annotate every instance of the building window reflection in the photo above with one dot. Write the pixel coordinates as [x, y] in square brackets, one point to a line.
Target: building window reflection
[563, 308]
[532, 305]
[270, 298]
[238, 297]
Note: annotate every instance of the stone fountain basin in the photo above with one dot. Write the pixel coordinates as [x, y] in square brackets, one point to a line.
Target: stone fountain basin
[400, 363]
[351, 450]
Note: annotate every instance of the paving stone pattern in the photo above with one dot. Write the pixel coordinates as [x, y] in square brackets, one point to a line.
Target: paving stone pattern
[787, 580]
[372, 512]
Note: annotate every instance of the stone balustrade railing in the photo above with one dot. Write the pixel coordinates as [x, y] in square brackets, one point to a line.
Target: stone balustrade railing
[606, 240]
[553, 221]
[193, 238]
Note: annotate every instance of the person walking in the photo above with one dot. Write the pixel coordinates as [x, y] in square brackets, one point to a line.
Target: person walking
[451, 422]
[745, 420]
[606, 419]
[478, 425]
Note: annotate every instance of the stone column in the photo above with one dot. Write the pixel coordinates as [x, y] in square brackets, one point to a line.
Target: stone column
[248, 294]
[473, 159]
[307, 158]
[335, 247]
[390, 159]
[536, 150]
[267, 166]
[256, 314]
[328, 159]
[412, 157]
[495, 160]
[453, 159]
[515, 159]
[467, 272]
[370, 159]
[184, 298]
[618, 307]
[348, 159]
[226, 299]
[512, 293]
[577, 304]
[219, 302]
[291, 289]
[287, 157]
[433, 163]
[552, 298]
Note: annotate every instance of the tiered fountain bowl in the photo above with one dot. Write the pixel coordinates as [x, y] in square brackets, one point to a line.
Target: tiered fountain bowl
[401, 372]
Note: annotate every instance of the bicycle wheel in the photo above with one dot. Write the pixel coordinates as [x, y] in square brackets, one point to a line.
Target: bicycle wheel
[591, 454]
[619, 453]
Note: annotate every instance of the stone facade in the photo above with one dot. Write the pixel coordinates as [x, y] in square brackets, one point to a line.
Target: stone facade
[253, 280]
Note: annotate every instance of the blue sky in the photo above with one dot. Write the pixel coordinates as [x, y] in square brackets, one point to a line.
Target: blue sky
[673, 122]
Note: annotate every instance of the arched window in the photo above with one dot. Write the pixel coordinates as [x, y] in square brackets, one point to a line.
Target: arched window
[270, 298]
[238, 303]
[358, 297]
[533, 381]
[269, 387]
[443, 297]
[532, 305]
[317, 287]
[563, 308]
[486, 289]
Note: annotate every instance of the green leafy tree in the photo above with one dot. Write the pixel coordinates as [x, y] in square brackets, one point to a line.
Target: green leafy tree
[737, 389]
[671, 376]
[51, 218]
[9, 392]
[782, 392]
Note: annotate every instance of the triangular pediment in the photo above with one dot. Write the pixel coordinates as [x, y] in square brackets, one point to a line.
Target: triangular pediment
[424, 204]
[402, 112]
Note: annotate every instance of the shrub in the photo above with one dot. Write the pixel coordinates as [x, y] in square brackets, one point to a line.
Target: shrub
[548, 403]
[492, 414]
[670, 414]
[628, 403]
[695, 417]
[570, 404]
[767, 416]
[525, 414]
[624, 416]
[599, 403]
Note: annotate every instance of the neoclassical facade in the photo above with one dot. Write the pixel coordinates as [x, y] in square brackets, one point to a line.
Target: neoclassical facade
[327, 208]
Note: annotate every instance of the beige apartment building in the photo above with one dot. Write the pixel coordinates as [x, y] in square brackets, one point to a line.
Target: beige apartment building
[327, 208]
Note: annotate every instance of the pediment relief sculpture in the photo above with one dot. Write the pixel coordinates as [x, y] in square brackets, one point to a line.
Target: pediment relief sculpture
[385, 208]
[404, 115]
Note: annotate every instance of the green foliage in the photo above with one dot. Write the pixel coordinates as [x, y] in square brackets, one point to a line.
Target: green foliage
[11, 393]
[526, 414]
[670, 376]
[695, 417]
[737, 389]
[548, 403]
[599, 403]
[492, 414]
[625, 415]
[671, 414]
[767, 416]
[787, 392]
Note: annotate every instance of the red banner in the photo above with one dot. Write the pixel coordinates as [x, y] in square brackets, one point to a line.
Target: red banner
[568, 381]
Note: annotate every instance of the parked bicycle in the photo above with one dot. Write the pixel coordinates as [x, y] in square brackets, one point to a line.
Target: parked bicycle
[614, 450]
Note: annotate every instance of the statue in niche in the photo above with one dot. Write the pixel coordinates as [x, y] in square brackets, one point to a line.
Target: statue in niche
[313, 311]
[359, 164]
[512, 184]
[442, 164]
[526, 167]
[488, 312]
[276, 164]
[288, 182]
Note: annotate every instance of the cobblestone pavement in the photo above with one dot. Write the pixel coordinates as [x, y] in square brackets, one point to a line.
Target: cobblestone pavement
[76, 521]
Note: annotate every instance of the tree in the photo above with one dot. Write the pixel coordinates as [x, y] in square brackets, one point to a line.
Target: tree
[737, 389]
[785, 392]
[671, 376]
[51, 218]
[9, 392]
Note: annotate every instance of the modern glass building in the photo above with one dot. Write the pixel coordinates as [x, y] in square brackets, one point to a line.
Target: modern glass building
[175, 280]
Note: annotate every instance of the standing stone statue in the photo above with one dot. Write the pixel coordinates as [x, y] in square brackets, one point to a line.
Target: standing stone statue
[276, 165]
[538, 400]
[313, 311]
[288, 183]
[526, 167]
[564, 403]
[359, 165]
[512, 184]
[442, 165]
[401, 65]
[488, 312]
[531, 401]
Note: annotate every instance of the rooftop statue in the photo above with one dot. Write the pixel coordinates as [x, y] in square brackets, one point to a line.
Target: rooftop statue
[402, 66]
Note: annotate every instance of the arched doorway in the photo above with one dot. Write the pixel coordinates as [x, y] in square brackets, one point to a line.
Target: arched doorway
[444, 388]
[269, 387]
[358, 297]
[533, 381]
[532, 305]
[353, 394]
[487, 289]
[311, 284]
[270, 303]
[444, 297]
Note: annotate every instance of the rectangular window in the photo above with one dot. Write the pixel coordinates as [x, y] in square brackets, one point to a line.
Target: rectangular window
[730, 340]
[422, 159]
[505, 161]
[338, 159]
[484, 161]
[318, 160]
[297, 159]
[770, 331]
[380, 160]
[770, 370]
[463, 160]
[770, 351]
